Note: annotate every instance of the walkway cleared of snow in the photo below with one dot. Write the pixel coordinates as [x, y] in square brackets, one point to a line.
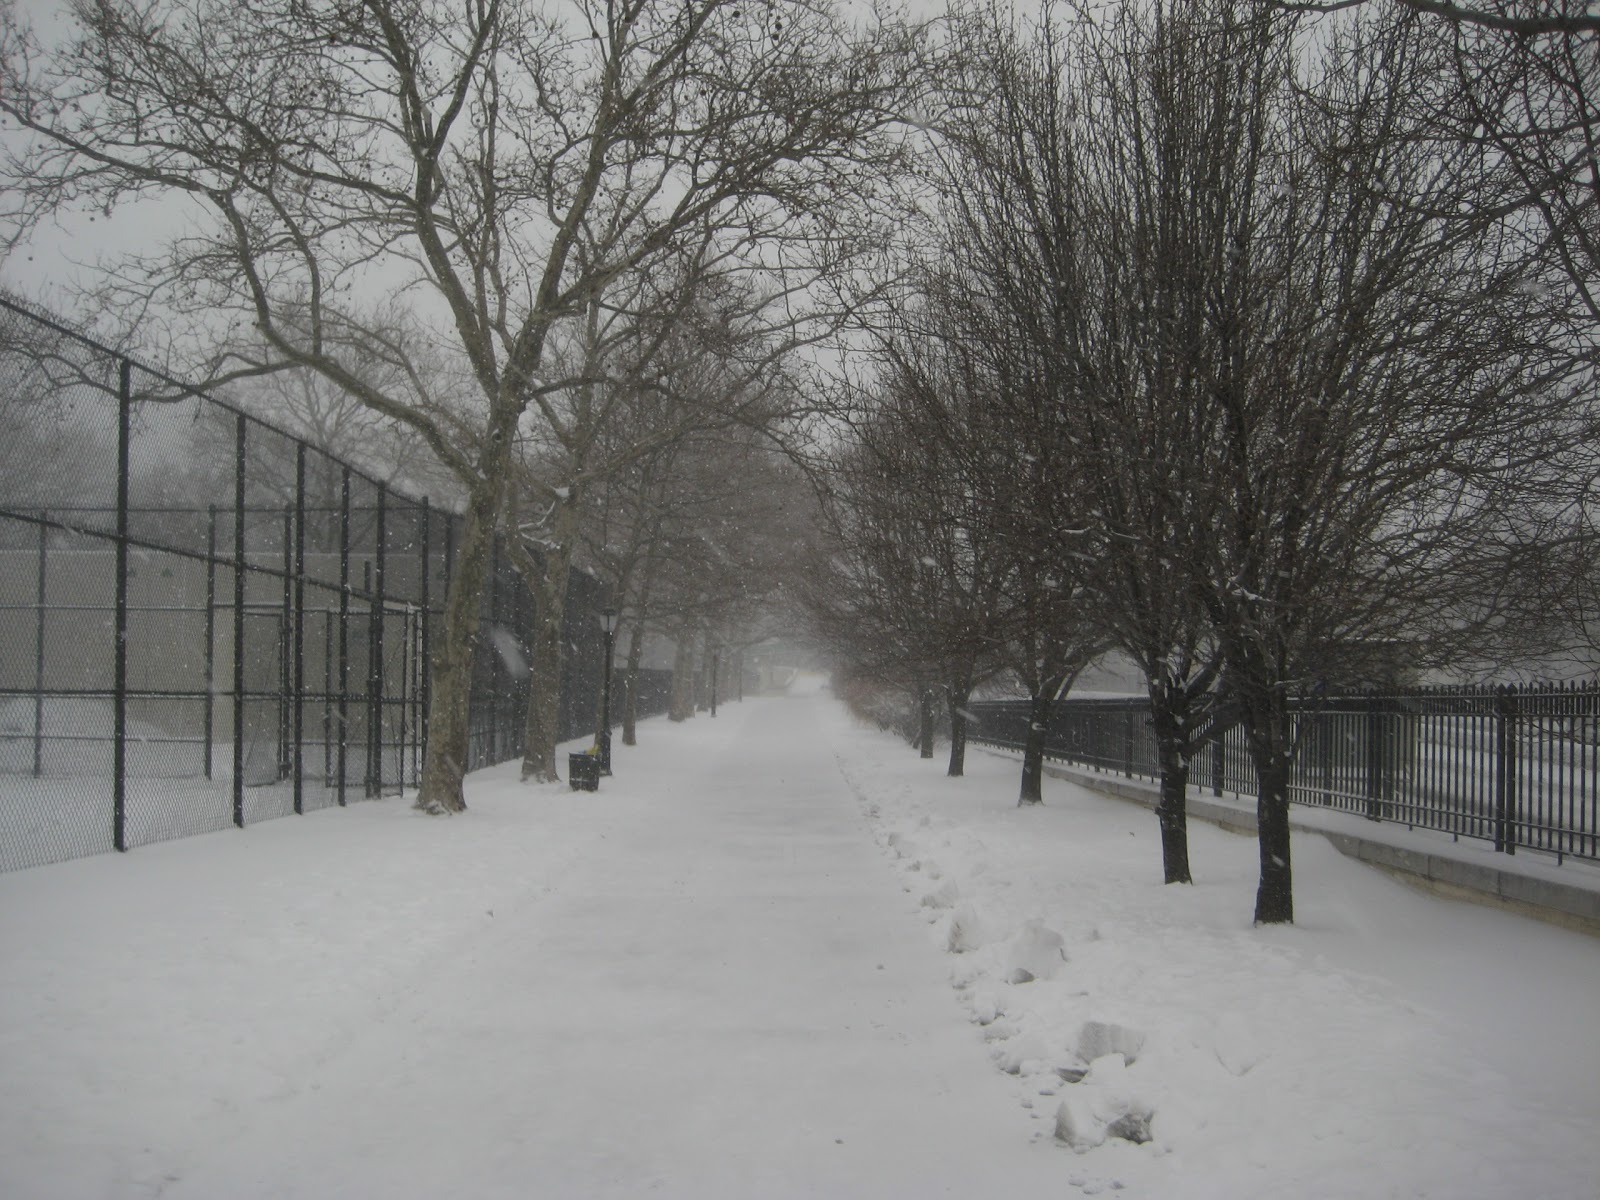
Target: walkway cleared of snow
[776, 955]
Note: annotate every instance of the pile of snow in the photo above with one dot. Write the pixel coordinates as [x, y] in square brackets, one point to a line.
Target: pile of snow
[1384, 1045]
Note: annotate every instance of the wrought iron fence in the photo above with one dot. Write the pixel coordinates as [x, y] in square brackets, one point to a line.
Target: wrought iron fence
[1512, 765]
[205, 621]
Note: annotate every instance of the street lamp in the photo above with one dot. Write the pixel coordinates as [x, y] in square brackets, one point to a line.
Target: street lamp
[609, 619]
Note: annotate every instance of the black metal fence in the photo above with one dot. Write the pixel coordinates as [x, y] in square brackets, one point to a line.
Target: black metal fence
[1516, 766]
[205, 621]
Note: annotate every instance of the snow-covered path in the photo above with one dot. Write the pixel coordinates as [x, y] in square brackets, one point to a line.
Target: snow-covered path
[716, 990]
[729, 975]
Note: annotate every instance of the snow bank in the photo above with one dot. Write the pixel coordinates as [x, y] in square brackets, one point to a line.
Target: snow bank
[1385, 1045]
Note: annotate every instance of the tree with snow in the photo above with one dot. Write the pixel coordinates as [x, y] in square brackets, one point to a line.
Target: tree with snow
[497, 162]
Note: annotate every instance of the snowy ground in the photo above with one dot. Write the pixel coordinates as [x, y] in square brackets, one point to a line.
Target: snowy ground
[776, 956]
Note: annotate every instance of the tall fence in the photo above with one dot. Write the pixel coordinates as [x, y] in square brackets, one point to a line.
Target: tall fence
[1515, 766]
[205, 621]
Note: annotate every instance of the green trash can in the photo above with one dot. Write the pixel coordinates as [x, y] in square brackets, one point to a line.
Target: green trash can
[583, 772]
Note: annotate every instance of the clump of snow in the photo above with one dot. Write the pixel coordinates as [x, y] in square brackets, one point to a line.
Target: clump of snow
[1103, 1105]
[985, 1008]
[509, 650]
[966, 930]
[1097, 1039]
[1034, 952]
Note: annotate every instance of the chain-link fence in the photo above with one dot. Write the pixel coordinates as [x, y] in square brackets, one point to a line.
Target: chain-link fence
[205, 621]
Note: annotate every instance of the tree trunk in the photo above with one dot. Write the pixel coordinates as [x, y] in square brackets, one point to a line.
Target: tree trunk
[702, 700]
[925, 722]
[630, 693]
[682, 706]
[444, 765]
[1271, 750]
[1172, 812]
[1032, 791]
[958, 695]
[1275, 893]
[542, 728]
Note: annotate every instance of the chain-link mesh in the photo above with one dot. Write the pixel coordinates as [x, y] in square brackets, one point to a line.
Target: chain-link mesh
[278, 608]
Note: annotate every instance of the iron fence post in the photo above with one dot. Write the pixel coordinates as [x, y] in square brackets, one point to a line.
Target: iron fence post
[239, 449]
[329, 740]
[211, 634]
[119, 750]
[299, 624]
[286, 652]
[344, 632]
[1374, 757]
[425, 666]
[376, 719]
[1506, 770]
[495, 689]
[38, 648]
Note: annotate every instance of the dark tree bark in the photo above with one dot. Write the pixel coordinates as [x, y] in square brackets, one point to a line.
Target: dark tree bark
[1275, 891]
[925, 722]
[1185, 714]
[957, 695]
[546, 578]
[449, 713]
[682, 705]
[630, 687]
[1039, 706]
[1172, 812]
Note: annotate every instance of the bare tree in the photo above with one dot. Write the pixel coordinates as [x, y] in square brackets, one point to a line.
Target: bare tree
[665, 360]
[498, 161]
[1071, 193]
[1371, 401]
[1290, 406]
[918, 590]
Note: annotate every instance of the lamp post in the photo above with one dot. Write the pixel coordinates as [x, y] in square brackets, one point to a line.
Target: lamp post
[715, 653]
[609, 618]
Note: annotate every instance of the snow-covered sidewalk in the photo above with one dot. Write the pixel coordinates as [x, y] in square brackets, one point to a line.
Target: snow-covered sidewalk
[729, 974]
[702, 981]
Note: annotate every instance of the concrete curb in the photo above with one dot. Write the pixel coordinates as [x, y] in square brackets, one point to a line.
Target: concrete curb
[1522, 888]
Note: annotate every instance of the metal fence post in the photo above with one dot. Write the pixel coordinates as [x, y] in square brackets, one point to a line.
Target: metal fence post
[494, 658]
[1506, 770]
[286, 652]
[238, 619]
[299, 691]
[119, 750]
[425, 667]
[38, 647]
[1374, 757]
[211, 631]
[344, 631]
[375, 720]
